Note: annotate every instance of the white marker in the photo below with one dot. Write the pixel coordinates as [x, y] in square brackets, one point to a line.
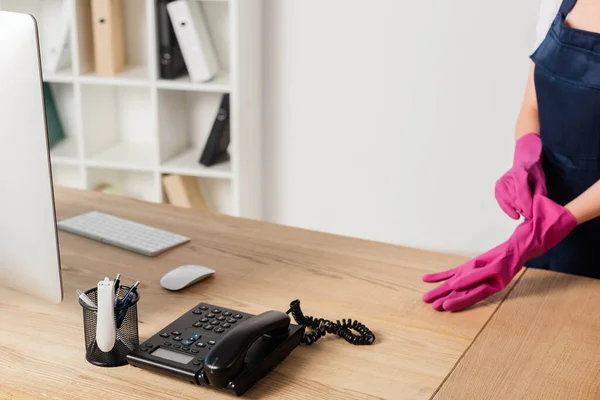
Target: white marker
[106, 328]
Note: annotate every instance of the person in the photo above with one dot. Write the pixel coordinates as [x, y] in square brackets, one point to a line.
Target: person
[554, 181]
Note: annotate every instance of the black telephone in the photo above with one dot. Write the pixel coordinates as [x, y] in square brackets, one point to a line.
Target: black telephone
[231, 350]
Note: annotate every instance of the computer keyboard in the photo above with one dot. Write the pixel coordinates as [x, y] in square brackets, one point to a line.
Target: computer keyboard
[122, 233]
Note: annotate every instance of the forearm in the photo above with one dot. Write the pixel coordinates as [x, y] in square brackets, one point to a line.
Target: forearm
[528, 120]
[587, 205]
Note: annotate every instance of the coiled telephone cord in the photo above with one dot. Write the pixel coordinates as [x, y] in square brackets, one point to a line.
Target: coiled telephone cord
[320, 327]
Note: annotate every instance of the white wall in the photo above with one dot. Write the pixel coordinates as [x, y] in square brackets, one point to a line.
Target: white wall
[391, 120]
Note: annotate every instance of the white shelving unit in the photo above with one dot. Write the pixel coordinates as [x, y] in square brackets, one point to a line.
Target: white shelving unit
[131, 129]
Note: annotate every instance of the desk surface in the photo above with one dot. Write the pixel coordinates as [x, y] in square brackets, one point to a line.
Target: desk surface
[259, 267]
[542, 343]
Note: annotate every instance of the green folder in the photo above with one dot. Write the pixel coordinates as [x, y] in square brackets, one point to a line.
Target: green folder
[55, 128]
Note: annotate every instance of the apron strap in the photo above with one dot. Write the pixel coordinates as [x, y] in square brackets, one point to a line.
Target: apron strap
[566, 7]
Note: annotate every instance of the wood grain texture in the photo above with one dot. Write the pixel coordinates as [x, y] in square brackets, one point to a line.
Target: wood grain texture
[260, 267]
[542, 343]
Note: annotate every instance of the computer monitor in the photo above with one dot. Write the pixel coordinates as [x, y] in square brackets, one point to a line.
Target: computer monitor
[29, 252]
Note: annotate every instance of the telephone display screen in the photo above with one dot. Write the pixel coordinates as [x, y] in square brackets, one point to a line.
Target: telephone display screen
[172, 355]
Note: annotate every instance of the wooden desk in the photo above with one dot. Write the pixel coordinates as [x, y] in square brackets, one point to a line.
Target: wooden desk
[542, 343]
[259, 267]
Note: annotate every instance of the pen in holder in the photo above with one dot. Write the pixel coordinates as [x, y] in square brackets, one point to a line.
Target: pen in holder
[126, 321]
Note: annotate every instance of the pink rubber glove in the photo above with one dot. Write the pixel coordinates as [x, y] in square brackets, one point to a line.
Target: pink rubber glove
[492, 271]
[515, 189]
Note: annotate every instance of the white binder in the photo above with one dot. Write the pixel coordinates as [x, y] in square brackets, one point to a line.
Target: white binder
[194, 39]
[57, 55]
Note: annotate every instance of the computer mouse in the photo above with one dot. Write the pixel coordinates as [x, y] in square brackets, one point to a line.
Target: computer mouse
[184, 276]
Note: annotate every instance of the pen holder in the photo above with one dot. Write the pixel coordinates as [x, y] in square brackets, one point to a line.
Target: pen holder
[127, 337]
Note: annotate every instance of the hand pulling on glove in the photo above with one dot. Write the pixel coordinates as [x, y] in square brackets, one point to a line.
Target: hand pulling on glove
[492, 271]
[515, 189]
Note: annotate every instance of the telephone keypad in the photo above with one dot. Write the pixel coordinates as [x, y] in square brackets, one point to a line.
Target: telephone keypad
[194, 333]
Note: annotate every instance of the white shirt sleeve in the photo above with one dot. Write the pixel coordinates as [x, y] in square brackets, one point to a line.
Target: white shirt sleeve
[548, 11]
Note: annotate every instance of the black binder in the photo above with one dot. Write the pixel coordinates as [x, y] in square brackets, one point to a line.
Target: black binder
[171, 62]
[215, 150]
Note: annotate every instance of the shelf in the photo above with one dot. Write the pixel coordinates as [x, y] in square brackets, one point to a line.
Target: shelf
[219, 84]
[136, 184]
[65, 152]
[131, 76]
[67, 176]
[130, 156]
[187, 163]
[62, 76]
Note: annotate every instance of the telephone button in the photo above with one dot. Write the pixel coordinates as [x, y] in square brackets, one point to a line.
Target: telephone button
[204, 308]
[148, 345]
[219, 330]
[197, 363]
[187, 342]
[197, 312]
[177, 339]
[164, 334]
[197, 325]
[208, 327]
[238, 316]
[226, 313]
[211, 315]
[196, 336]
[176, 346]
[231, 320]
[216, 311]
[144, 349]
[211, 342]
[225, 325]
[186, 349]
[167, 344]
[176, 333]
[215, 322]
[204, 319]
[200, 344]
[221, 318]
[194, 351]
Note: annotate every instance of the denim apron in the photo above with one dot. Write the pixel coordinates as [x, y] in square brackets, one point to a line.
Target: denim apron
[567, 84]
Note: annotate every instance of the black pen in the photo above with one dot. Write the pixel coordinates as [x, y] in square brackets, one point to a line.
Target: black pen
[117, 281]
[132, 289]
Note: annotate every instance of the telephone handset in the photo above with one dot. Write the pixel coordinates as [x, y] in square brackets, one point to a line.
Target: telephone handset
[231, 350]
[226, 360]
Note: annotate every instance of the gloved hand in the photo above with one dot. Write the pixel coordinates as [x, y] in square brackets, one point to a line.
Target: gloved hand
[515, 189]
[492, 271]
